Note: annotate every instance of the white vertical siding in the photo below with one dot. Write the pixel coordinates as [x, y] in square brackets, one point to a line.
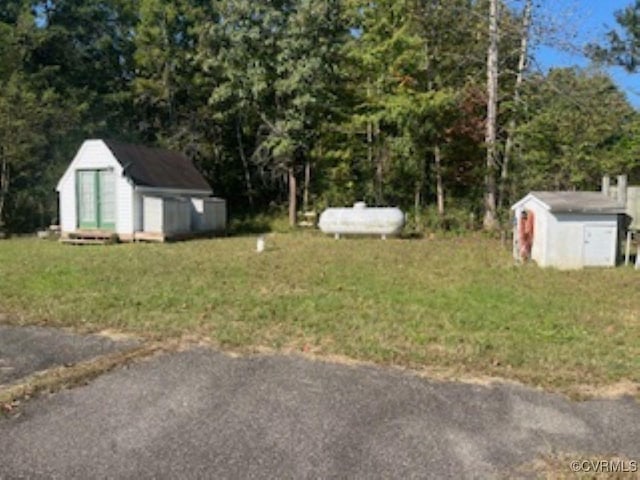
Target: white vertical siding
[138, 211]
[67, 206]
[153, 216]
[124, 205]
[569, 241]
[216, 213]
[94, 155]
[168, 215]
[208, 214]
[176, 215]
[198, 222]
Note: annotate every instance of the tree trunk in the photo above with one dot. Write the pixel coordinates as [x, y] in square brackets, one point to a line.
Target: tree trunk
[4, 186]
[307, 183]
[379, 166]
[522, 65]
[490, 216]
[292, 197]
[167, 73]
[417, 195]
[369, 142]
[437, 160]
[245, 164]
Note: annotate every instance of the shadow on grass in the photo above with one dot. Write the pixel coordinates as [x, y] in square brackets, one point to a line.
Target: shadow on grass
[249, 225]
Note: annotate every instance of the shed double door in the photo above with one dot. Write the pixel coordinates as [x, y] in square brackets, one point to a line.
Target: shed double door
[96, 199]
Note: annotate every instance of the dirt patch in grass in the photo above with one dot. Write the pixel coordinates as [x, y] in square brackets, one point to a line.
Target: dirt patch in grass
[614, 390]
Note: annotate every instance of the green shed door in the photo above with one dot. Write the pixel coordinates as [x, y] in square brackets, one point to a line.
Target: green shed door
[106, 200]
[87, 199]
[96, 199]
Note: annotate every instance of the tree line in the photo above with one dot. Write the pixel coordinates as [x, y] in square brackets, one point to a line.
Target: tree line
[430, 105]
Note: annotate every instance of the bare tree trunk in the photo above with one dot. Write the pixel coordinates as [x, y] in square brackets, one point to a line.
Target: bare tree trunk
[4, 186]
[369, 142]
[379, 166]
[293, 208]
[490, 216]
[307, 183]
[437, 160]
[522, 65]
[417, 195]
[245, 164]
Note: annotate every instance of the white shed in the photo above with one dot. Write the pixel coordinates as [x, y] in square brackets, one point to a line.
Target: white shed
[571, 229]
[130, 191]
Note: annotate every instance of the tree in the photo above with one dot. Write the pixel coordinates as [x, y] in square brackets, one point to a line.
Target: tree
[575, 122]
[166, 70]
[412, 63]
[623, 46]
[83, 50]
[277, 63]
[490, 215]
[34, 119]
[523, 60]
[29, 120]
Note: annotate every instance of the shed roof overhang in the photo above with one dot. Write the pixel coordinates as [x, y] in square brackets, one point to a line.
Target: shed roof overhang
[573, 202]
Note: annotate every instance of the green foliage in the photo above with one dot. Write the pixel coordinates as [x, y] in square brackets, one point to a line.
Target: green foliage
[572, 131]
[623, 44]
[30, 120]
[360, 94]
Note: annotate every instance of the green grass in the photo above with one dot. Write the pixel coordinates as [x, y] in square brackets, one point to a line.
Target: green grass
[456, 304]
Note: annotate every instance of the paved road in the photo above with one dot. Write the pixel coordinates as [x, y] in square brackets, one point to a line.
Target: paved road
[202, 414]
[27, 350]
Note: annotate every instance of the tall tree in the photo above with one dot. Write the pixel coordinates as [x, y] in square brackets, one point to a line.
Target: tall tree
[277, 59]
[576, 122]
[490, 213]
[523, 60]
[165, 85]
[34, 122]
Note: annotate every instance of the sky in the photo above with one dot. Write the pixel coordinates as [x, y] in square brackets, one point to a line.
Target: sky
[583, 22]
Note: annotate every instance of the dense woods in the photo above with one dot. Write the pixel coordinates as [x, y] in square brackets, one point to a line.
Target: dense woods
[301, 104]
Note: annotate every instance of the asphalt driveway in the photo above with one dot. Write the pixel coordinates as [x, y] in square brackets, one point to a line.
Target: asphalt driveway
[203, 414]
[28, 350]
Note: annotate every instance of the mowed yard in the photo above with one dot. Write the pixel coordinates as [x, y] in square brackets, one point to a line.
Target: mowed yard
[453, 306]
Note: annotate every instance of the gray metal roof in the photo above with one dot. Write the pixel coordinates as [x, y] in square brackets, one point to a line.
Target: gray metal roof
[579, 202]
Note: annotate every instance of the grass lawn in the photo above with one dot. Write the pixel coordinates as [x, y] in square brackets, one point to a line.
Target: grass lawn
[457, 305]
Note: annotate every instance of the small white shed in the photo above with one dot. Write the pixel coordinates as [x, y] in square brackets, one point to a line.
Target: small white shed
[571, 230]
[132, 191]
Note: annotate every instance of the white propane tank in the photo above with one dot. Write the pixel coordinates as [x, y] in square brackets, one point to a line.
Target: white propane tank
[362, 220]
